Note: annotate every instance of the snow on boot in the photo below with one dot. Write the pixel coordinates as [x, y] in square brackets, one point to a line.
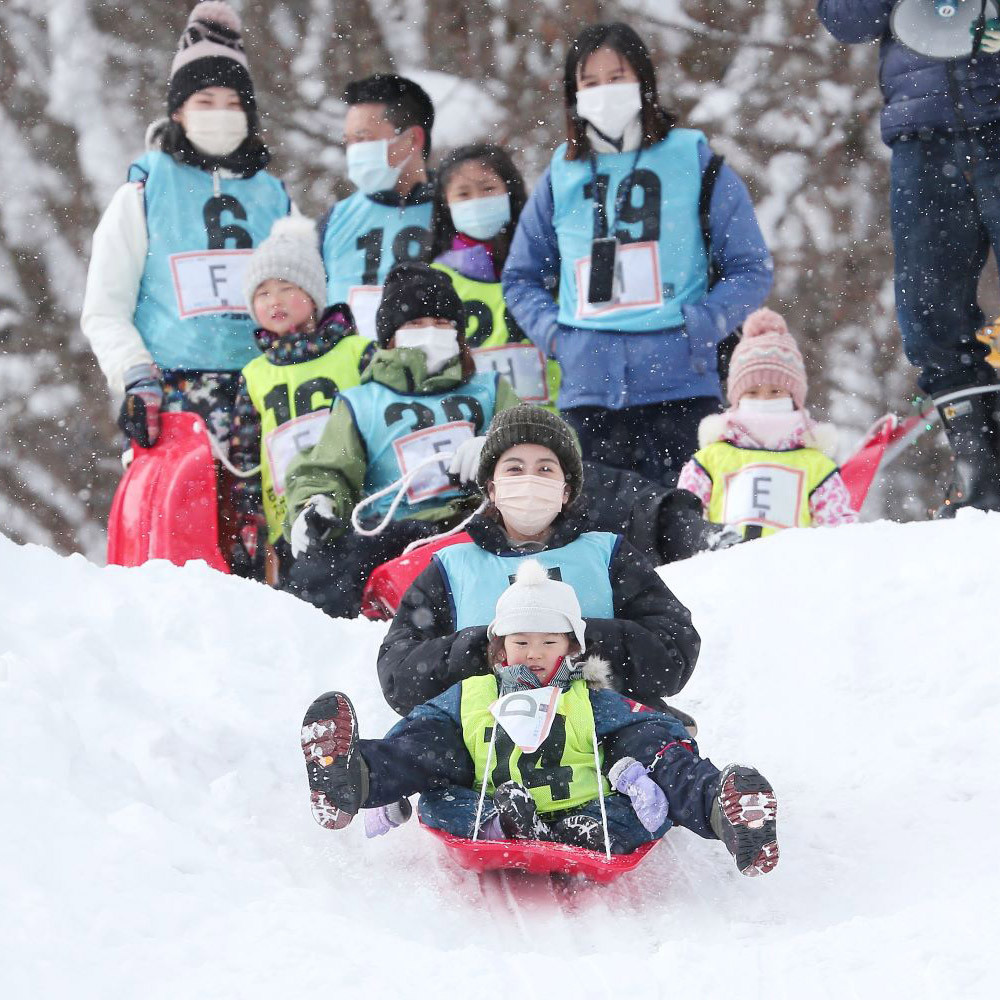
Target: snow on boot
[338, 777]
[971, 425]
[518, 813]
[743, 818]
[580, 830]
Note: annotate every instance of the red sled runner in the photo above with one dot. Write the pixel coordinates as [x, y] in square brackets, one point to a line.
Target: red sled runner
[539, 857]
[166, 505]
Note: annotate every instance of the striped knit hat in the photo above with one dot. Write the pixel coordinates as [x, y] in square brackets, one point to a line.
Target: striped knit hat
[210, 54]
[768, 356]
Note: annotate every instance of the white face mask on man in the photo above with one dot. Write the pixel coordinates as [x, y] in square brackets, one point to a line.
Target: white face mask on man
[216, 131]
[368, 167]
[609, 107]
[438, 343]
[528, 504]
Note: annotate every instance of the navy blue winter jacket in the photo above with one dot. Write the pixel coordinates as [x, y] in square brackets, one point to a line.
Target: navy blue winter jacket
[917, 90]
[616, 370]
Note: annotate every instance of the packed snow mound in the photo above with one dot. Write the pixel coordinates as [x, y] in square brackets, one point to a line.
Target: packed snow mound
[156, 839]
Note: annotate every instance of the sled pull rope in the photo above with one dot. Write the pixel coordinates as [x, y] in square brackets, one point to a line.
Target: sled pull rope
[223, 459]
[400, 486]
[486, 781]
[600, 792]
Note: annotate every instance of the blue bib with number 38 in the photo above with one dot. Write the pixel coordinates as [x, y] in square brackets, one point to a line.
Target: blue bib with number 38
[403, 434]
[661, 261]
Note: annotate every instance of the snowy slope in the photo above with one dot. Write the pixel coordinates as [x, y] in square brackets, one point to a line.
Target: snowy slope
[156, 842]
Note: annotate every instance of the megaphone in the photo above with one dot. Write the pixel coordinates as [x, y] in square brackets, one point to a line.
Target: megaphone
[940, 29]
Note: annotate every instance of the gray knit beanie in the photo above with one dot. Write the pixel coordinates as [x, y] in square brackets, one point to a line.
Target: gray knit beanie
[530, 424]
[290, 253]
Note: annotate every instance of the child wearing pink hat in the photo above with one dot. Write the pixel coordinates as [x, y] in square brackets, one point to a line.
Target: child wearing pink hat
[764, 464]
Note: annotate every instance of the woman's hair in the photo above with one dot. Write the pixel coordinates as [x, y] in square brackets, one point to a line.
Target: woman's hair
[246, 160]
[496, 159]
[656, 120]
[495, 651]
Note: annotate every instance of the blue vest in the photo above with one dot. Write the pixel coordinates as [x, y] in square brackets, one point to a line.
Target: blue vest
[362, 241]
[475, 578]
[658, 221]
[190, 311]
[387, 420]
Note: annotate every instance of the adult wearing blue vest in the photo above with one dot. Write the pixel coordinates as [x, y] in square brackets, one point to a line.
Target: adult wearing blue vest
[642, 302]
[941, 120]
[531, 469]
[387, 131]
[164, 309]
[419, 398]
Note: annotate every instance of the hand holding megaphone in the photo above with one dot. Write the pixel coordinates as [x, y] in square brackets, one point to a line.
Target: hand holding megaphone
[946, 29]
[991, 37]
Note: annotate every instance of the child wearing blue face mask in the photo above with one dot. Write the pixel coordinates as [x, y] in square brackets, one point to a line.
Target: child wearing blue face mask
[763, 463]
[387, 132]
[478, 198]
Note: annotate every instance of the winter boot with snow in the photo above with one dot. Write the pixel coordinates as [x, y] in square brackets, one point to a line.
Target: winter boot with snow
[743, 818]
[971, 425]
[338, 776]
[518, 813]
[580, 830]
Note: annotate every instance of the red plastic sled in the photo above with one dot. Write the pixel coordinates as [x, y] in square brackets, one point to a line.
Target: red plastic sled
[883, 442]
[166, 504]
[388, 582]
[538, 857]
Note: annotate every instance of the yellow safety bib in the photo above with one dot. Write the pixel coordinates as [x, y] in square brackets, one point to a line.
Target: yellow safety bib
[769, 490]
[560, 774]
[294, 404]
[488, 333]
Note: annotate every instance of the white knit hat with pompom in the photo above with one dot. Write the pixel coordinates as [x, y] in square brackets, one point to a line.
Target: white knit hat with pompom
[536, 603]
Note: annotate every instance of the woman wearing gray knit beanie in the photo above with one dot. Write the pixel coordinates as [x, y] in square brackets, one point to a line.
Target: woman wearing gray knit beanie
[164, 310]
[532, 473]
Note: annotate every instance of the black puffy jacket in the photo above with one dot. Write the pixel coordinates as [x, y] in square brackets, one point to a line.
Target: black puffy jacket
[650, 643]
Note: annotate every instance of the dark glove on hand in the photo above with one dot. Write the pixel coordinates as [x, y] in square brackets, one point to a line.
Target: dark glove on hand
[248, 553]
[139, 417]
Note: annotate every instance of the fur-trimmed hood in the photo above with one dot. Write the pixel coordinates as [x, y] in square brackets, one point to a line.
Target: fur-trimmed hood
[597, 673]
[727, 427]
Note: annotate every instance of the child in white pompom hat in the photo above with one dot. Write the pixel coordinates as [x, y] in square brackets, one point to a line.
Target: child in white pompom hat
[605, 771]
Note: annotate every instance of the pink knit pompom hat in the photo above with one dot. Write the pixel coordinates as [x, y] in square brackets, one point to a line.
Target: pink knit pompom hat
[767, 355]
[210, 54]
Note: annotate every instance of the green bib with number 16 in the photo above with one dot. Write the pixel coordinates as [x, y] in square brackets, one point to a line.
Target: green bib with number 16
[294, 405]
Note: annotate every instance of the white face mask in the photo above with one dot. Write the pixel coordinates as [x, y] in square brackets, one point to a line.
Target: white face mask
[368, 166]
[439, 344]
[481, 218]
[528, 504]
[782, 404]
[216, 131]
[610, 107]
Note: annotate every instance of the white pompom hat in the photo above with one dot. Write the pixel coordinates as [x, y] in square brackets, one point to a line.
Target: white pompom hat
[535, 603]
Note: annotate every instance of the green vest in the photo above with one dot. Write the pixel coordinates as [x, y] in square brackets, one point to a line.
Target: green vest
[488, 333]
[767, 489]
[560, 774]
[294, 405]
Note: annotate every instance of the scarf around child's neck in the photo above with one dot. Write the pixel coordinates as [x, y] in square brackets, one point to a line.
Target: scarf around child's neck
[518, 677]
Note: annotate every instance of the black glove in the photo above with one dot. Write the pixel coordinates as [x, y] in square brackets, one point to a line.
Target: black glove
[139, 417]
